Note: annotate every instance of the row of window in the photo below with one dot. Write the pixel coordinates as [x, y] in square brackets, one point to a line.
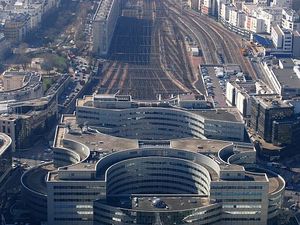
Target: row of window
[76, 193]
[190, 187]
[236, 187]
[76, 187]
[116, 183]
[73, 200]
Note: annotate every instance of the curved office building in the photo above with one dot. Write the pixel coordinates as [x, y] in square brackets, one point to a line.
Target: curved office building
[121, 116]
[101, 178]
[34, 190]
[5, 157]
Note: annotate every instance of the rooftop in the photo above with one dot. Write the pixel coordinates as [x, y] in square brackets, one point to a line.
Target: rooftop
[36, 178]
[287, 63]
[102, 145]
[272, 101]
[220, 114]
[103, 9]
[275, 182]
[226, 114]
[287, 78]
[106, 144]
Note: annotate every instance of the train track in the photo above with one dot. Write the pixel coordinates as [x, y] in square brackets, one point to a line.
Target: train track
[223, 41]
[142, 54]
[204, 38]
[233, 43]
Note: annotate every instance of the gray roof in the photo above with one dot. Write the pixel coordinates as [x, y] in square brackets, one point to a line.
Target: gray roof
[287, 78]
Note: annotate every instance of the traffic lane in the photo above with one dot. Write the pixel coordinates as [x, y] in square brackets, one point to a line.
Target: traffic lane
[33, 156]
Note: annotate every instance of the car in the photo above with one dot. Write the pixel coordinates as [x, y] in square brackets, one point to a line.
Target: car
[289, 188]
[294, 207]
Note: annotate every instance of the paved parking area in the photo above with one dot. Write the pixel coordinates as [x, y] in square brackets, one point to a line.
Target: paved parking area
[215, 87]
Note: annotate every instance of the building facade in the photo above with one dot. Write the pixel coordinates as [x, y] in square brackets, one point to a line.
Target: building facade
[28, 120]
[5, 157]
[99, 177]
[282, 39]
[121, 116]
[104, 24]
[265, 110]
[20, 86]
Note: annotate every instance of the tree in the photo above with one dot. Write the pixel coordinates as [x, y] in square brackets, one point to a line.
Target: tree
[46, 66]
[3, 4]
[2, 67]
[81, 126]
[22, 59]
[21, 56]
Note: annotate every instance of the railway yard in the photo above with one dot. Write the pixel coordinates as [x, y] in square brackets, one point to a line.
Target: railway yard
[150, 54]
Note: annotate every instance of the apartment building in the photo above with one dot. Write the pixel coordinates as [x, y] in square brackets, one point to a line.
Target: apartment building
[290, 20]
[282, 3]
[27, 121]
[104, 24]
[17, 27]
[21, 17]
[239, 94]
[254, 24]
[284, 76]
[282, 38]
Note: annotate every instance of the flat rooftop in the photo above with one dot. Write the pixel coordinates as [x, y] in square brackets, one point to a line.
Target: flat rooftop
[287, 78]
[275, 182]
[220, 114]
[103, 144]
[199, 145]
[272, 101]
[35, 178]
[251, 87]
[104, 9]
[12, 117]
[97, 142]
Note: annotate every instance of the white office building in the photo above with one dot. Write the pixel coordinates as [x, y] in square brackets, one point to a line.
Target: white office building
[282, 38]
[105, 179]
